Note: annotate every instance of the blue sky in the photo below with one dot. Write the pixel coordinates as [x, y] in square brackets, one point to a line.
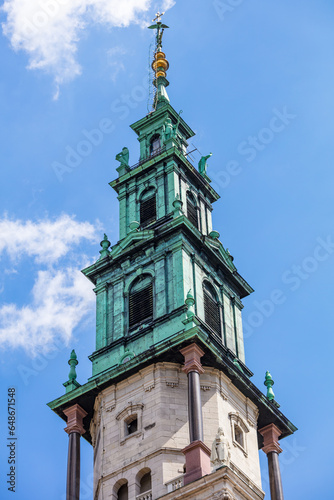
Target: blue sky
[255, 80]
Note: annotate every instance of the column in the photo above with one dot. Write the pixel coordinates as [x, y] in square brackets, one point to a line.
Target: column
[75, 415]
[197, 454]
[272, 449]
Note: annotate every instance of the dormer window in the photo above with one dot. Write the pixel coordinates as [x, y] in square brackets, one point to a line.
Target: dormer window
[192, 210]
[141, 300]
[148, 207]
[211, 307]
[155, 144]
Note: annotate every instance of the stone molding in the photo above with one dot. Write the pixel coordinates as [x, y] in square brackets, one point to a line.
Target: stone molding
[270, 435]
[75, 415]
[192, 359]
[132, 408]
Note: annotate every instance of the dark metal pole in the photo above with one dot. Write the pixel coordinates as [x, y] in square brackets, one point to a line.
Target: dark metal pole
[75, 415]
[195, 407]
[73, 467]
[271, 448]
[276, 488]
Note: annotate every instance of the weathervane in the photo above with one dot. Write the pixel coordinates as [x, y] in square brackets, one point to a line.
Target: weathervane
[160, 29]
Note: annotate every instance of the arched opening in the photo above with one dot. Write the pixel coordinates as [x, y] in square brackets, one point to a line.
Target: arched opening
[122, 493]
[145, 483]
[192, 210]
[155, 144]
[148, 207]
[131, 424]
[141, 300]
[211, 307]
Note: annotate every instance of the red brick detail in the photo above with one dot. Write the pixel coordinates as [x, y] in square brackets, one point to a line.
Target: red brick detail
[197, 461]
[192, 359]
[270, 435]
[75, 415]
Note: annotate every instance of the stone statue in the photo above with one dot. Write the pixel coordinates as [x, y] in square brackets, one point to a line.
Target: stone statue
[220, 452]
[202, 165]
[167, 129]
[176, 127]
[123, 157]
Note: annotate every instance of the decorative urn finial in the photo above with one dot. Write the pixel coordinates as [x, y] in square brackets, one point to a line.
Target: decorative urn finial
[105, 244]
[190, 302]
[269, 383]
[73, 361]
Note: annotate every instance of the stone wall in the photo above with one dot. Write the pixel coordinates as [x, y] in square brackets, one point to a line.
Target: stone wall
[157, 395]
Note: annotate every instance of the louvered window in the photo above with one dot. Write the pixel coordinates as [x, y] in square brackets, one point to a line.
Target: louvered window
[211, 308]
[148, 210]
[141, 301]
[192, 211]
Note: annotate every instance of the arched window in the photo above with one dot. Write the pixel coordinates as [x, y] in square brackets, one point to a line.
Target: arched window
[192, 210]
[211, 307]
[122, 493]
[141, 300]
[148, 207]
[239, 435]
[131, 424]
[239, 432]
[145, 483]
[155, 144]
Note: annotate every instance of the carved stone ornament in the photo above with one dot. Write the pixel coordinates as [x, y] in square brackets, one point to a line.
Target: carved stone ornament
[223, 495]
[220, 451]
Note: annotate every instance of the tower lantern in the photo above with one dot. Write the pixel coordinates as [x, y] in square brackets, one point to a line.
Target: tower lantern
[170, 408]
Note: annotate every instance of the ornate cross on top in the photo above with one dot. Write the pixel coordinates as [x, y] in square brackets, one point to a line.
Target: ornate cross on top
[158, 17]
[160, 29]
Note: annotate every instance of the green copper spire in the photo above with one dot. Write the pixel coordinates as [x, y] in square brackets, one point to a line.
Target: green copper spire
[160, 65]
[269, 383]
[71, 383]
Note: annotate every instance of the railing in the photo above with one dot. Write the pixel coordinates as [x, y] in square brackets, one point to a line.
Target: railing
[145, 496]
[175, 484]
[152, 155]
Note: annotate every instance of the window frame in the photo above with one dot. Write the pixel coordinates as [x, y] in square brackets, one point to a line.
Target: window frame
[128, 414]
[150, 286]
[239, 423]
[213, 302]
[154, 139]
[146, 197]
[191, 203]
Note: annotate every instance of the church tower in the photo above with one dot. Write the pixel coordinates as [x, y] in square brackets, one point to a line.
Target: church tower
[170, 408]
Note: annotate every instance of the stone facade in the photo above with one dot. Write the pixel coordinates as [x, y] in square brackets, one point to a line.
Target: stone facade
[157, 396]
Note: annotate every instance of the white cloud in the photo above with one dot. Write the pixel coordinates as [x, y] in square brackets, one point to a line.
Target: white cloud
[46, 240]
[49, 30]
[61, 297]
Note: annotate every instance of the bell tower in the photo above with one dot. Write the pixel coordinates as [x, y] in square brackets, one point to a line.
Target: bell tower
[170, 409]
